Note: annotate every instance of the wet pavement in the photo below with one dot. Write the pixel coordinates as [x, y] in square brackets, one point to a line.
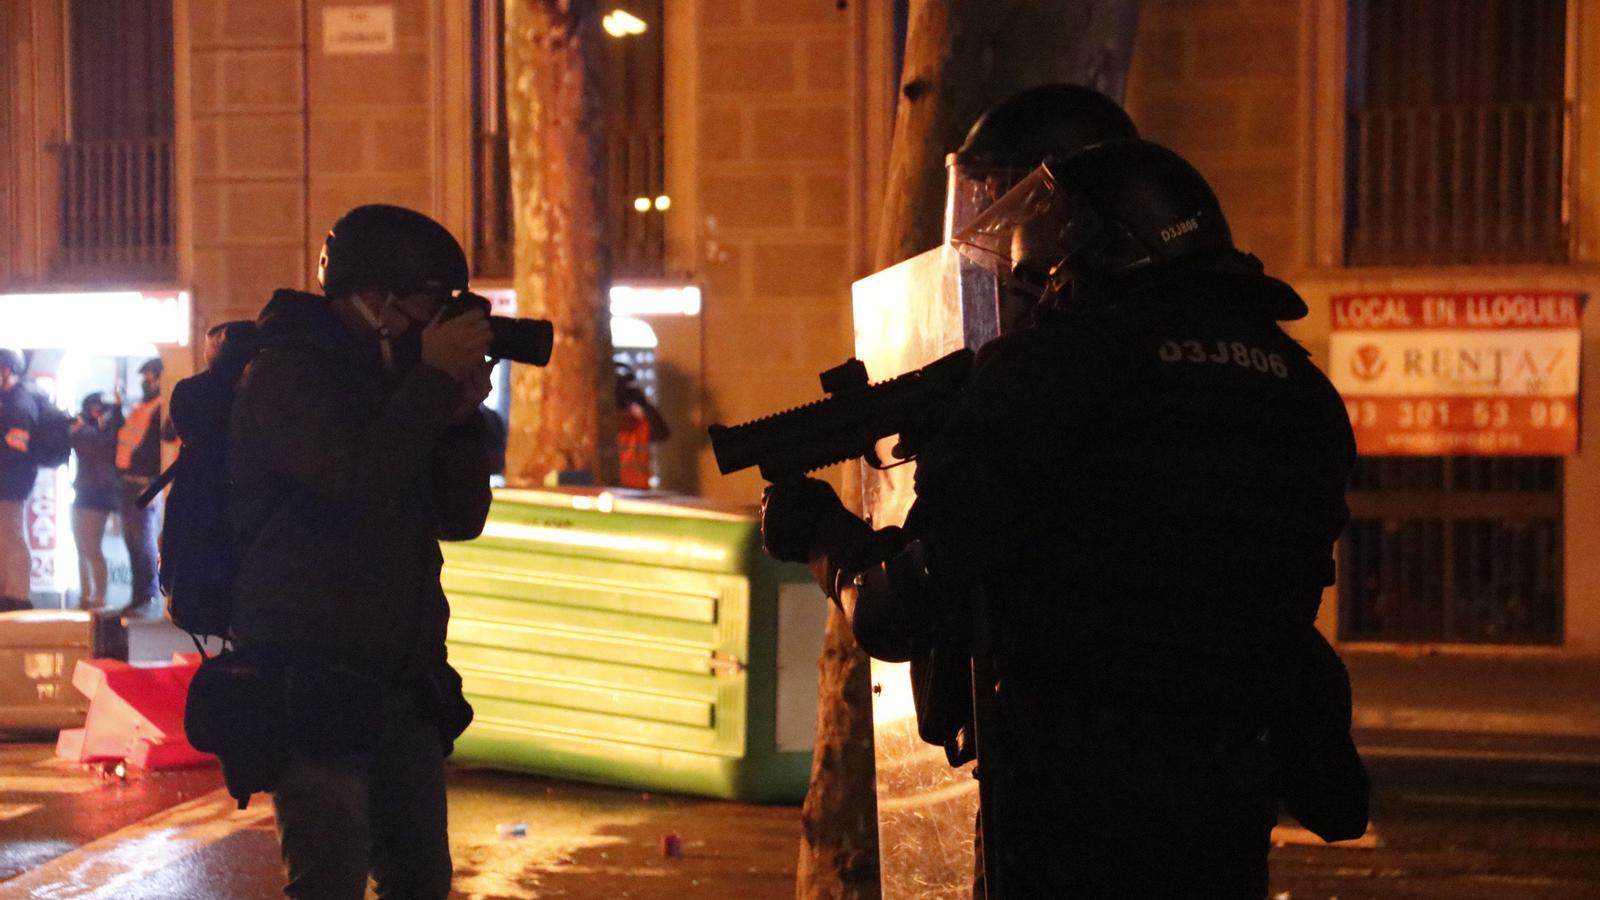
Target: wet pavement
[71, 832]
[1455, 816]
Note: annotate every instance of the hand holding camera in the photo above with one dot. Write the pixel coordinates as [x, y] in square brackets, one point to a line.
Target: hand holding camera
[457, 345]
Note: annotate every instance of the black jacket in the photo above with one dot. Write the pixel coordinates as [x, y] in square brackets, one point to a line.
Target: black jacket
[344, 480]
[18, 417]
[1151, 490]
[96, 447]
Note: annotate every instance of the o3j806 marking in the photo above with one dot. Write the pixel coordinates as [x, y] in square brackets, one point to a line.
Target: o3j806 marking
[1224, 352]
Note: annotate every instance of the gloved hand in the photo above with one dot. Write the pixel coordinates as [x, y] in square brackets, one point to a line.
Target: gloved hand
[803, 517]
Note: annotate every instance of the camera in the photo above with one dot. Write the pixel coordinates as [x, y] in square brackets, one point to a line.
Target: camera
[519, 340]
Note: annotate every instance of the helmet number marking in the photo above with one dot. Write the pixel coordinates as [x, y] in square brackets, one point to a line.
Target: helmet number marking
[1235, 353]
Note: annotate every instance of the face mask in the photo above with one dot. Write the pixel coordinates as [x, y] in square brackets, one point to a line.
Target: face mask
[405, 351]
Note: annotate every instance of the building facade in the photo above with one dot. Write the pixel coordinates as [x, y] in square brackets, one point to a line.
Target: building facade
[1365, 151]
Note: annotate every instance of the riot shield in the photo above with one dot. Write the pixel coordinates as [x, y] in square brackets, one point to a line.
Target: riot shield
[907, 316]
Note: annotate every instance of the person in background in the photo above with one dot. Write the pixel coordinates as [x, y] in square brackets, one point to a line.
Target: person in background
[639, 424]
[18, 416]
[138, 462]
[95, 492]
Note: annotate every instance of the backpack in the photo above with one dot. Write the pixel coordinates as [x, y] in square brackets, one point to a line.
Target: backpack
[50, 443]
[197, 554]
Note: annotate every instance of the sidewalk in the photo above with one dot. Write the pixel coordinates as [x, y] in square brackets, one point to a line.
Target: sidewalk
[1510, 693]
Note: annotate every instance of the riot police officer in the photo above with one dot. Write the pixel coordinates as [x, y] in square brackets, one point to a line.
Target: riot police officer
[1129, 523]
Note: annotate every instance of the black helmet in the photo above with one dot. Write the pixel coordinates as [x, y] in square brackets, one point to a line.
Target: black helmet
[1030, 126]
[12, 360]
[1111, 212]
[1134, 204]
[1019, 133]
[390, 248]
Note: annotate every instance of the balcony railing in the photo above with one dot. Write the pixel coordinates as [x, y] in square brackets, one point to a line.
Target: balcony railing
[1446, 185]
[637, 239]
[115, 218]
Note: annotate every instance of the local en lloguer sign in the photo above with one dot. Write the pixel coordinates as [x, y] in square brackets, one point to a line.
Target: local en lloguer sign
[1426, 374]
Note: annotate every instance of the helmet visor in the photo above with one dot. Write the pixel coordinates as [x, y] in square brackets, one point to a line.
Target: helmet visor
[998, 237]
[973, 188]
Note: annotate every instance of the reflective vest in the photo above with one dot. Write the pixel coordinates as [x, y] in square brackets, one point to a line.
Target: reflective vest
[134, 432]
[633, 447]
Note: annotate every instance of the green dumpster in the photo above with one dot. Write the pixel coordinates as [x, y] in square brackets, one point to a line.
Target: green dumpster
[637, 641]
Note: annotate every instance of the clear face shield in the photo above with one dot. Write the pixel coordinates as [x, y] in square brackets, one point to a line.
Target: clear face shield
[1020, 238]
[973, 188]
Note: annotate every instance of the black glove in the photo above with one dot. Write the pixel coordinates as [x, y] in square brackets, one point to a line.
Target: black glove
[802, 518]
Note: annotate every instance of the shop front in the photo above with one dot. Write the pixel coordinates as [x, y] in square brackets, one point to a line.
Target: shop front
[78, 344]
[1466, 408]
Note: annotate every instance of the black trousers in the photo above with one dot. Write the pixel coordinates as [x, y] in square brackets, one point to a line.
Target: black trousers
[343, 817]
[1102, 803]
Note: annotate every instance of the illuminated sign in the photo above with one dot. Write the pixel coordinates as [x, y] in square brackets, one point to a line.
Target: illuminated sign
[655, 300]
[636, 299]
[107, 320]
[1459, 374]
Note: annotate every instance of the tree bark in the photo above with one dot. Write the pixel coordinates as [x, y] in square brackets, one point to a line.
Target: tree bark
[961, 57]
[964, 56]
[563, 415]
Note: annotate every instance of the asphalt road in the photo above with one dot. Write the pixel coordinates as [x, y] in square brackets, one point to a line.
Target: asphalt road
[1454, 817]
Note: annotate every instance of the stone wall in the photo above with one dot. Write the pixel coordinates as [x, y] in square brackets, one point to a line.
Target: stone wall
[287, 137]
[1220, 81]
[772, 179]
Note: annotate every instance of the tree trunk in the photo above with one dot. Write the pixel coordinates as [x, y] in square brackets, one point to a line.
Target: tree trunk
[964, 56]
[563, 416]
[961, 57]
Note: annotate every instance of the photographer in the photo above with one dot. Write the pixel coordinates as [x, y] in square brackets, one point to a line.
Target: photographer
[354, 447]
[1127, 526]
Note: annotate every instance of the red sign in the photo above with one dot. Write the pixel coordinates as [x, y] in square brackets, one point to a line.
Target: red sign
[1426, 374]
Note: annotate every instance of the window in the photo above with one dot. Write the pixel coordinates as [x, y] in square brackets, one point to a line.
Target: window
[492, 234]
[115, 218]
[1456, 549]
[1455, 132]
[636, 200]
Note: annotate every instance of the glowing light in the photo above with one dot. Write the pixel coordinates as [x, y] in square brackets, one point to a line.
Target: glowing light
[663, 203]
[621, 23]
[604, 502]
[627, 300]
[642, 204]
[655, 300]
[100, 320]
[628, 333]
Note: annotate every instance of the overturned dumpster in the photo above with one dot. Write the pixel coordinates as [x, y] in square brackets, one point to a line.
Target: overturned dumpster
[635, 640]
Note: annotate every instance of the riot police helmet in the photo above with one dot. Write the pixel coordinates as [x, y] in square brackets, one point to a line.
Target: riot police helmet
[1015, 135]
[1111, 214]
[1051, 120]
[392, 249]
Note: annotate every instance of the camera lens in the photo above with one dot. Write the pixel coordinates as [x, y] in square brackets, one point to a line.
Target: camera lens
[521, 340]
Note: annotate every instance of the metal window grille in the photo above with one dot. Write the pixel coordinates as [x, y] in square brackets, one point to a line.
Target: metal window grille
[1453, 550]
[115, 219]
[115, 215]
[1456, 132]
[492, 225]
